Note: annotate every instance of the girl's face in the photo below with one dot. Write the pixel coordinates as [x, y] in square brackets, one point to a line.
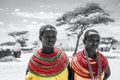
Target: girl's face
[92, 42]
[49, 38]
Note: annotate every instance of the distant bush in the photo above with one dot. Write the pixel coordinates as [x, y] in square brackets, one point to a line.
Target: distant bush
[6, 52]
[67, 48]
[9, 59]
[112, 57]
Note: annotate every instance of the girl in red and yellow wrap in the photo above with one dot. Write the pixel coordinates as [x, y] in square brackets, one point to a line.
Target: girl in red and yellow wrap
[90, 64]
[49, 62]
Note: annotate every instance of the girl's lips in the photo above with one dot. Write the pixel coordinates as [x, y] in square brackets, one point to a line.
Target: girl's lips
[50, 43]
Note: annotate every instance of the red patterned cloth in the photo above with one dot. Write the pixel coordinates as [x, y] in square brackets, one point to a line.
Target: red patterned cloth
[47, 65]
[80, 66]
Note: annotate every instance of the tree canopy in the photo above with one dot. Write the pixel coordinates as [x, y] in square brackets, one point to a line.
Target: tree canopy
[82, 18]
[20, 36]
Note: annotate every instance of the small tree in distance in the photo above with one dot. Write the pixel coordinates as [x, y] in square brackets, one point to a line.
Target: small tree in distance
[20, 37]
[82, 18]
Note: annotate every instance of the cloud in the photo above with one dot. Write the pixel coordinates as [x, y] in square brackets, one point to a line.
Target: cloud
[42, 6]
[24, 20]
[2, 30]
[1, 9]
[119, 4]
[34, 22]
[13, 27]
[34, 27]
[1, 23]
[30, 27]
[45, 6]
[36, 15]
[16, 10]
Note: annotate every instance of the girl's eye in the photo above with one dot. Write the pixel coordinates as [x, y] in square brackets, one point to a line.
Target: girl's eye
[49, 36]
[91, 40]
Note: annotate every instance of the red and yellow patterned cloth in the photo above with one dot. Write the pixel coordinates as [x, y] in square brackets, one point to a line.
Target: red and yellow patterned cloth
[48, 65]
[80, 66]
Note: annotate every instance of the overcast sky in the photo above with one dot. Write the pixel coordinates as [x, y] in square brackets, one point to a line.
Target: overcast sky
[30, 14]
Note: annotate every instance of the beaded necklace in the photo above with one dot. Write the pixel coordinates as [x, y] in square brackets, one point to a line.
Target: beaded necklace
[90, 67]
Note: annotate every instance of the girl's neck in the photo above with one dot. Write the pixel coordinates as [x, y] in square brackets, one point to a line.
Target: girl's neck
[91, 53]
[47, 50]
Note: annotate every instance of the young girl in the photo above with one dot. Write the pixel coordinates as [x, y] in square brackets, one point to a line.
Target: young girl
[49, 62]
[90, 64]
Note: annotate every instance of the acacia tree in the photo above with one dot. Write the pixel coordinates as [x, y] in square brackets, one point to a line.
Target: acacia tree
[20, 36]
[82, 18]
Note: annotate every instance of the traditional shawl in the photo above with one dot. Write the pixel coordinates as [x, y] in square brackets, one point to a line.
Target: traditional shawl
[62, 76]
[80, 66]
[47, 65]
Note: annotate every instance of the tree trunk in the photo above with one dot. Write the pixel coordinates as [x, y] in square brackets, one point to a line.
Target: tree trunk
[78, 38]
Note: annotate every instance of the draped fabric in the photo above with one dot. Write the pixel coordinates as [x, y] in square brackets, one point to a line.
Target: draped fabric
[48, 65]
[80, 66]
[62, 76]
[77, 77]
